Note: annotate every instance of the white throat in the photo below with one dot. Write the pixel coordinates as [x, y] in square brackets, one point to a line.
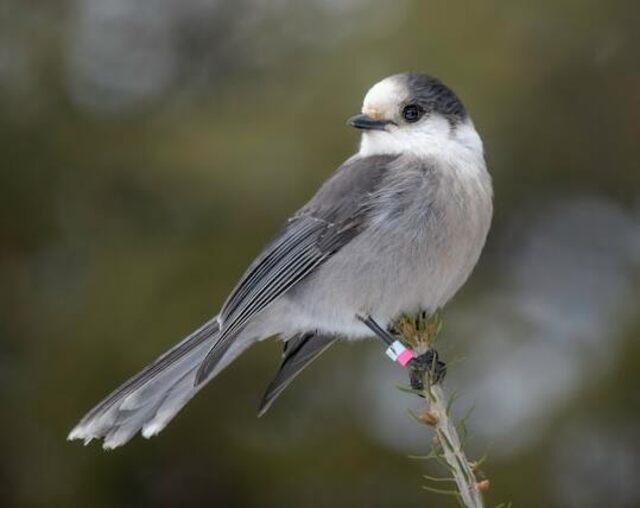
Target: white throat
[435, 138]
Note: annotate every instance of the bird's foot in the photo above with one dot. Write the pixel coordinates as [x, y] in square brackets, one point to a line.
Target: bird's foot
[427, 364]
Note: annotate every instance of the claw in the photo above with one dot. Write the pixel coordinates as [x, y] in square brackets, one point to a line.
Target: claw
[427, 363]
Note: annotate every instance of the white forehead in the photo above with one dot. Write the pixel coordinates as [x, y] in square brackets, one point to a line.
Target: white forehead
[383, 98]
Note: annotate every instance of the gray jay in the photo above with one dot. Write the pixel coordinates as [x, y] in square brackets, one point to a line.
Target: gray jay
[394, 230]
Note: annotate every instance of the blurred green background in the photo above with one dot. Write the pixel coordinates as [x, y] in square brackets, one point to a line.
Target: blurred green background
[150, 148]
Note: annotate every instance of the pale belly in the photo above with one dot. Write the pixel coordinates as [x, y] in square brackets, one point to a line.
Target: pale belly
[404, 267]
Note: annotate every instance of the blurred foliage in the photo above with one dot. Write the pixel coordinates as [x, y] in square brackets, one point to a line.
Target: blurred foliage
[149, 153]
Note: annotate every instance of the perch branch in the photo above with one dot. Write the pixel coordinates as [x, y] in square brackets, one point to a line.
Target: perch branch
[420, 333]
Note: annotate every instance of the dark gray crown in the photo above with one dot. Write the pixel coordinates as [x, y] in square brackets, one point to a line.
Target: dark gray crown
[434, 96]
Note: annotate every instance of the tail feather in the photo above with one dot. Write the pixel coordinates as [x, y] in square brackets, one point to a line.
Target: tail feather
[299, 352]
[151, 398]
[172, 403]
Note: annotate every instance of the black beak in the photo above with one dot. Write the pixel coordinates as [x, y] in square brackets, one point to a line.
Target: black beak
[367, 123]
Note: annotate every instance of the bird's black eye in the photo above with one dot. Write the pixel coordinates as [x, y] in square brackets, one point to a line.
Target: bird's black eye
[412, 113]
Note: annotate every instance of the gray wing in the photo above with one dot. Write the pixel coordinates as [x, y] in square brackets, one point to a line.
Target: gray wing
[333, 217]
[299, 352]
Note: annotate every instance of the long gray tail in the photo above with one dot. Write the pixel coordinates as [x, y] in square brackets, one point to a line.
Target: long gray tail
[150, 399]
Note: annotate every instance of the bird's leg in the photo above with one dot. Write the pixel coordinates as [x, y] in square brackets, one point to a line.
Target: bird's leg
[377, 329]
[427, 363]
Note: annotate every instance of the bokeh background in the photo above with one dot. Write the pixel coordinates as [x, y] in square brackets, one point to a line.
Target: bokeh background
[149, 148]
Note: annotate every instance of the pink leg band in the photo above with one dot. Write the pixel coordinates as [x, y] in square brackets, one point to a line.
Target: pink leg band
[399, 353]
[405, 357]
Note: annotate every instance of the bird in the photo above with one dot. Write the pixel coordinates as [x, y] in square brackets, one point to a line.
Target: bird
[396, 229]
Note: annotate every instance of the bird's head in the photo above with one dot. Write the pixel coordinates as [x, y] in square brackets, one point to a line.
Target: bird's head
[413, 113]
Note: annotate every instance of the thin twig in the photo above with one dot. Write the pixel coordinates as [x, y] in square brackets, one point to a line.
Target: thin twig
[452, 450]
